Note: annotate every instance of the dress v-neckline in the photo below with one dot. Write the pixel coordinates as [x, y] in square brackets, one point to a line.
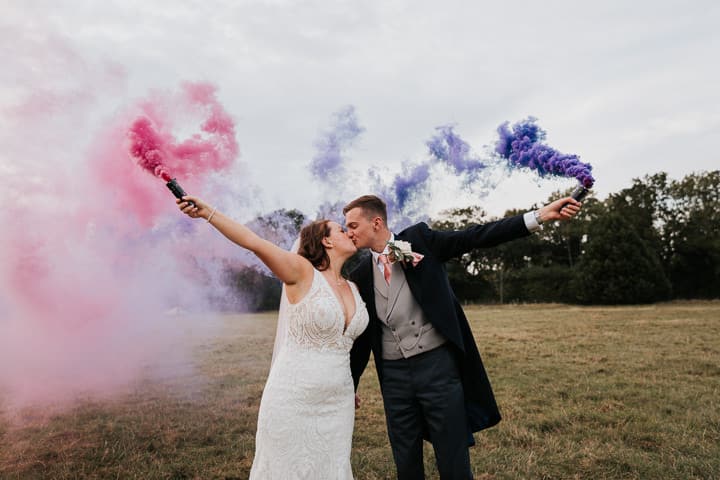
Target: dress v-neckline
[347, 321]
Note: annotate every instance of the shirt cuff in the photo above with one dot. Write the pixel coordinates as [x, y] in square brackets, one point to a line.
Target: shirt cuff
[530, 223]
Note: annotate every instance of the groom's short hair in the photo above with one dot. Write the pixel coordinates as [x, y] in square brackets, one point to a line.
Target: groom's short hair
[370, 204]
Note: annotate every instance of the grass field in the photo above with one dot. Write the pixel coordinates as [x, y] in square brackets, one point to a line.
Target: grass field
[586, 393]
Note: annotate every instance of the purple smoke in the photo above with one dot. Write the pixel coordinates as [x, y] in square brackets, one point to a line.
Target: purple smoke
[280, 227]
[331, 211]
[328, 161]
[409, 181]
[448, 147]
[522, 146]
[404, 195]
[330, 166]
[408, 193]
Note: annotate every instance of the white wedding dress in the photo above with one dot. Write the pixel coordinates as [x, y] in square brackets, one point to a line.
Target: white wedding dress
[307, 411]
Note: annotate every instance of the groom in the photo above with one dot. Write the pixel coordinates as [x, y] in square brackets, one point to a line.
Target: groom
[432, 380]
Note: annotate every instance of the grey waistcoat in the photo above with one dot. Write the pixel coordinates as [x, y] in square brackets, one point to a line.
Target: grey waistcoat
[405, 330]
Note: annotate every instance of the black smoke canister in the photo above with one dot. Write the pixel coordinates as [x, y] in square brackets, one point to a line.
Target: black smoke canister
[177, 190]
[579, 193]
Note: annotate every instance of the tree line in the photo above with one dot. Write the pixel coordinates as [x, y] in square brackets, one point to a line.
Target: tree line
[657, 240]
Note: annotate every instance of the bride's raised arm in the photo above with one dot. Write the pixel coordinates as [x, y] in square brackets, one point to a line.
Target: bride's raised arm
[289, 267]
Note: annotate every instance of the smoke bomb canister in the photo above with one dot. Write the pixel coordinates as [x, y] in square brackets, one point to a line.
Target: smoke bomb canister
[176, 189]
[579, 193]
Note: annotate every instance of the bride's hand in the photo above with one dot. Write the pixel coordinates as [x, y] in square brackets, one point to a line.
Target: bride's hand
[199, 210]
[357, 401]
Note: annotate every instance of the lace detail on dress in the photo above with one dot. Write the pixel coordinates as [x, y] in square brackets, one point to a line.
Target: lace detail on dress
[307, 411]
[318, 321]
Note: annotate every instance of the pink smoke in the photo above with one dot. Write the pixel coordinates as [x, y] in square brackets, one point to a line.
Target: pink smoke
[159, 153]
[93, 251]
[147, 140]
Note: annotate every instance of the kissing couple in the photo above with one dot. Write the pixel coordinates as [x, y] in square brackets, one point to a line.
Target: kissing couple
[397, 303]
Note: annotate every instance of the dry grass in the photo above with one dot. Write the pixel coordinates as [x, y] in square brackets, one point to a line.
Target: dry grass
[586, 393]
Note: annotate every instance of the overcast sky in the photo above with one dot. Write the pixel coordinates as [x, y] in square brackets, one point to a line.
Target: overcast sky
[631, 87]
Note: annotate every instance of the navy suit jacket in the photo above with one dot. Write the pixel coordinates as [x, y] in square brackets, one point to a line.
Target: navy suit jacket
[429, 284]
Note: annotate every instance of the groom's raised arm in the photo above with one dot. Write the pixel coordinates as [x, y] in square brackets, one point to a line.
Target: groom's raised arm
[451, 244]
[447, 245]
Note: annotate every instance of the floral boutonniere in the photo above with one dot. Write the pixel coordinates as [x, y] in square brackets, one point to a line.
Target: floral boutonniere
[401, 251]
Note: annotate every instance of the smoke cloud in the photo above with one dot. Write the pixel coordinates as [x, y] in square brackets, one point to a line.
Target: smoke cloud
[522, 145]
[95, 259]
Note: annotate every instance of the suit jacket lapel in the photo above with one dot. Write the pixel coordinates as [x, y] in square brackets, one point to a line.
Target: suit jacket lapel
[411, 277]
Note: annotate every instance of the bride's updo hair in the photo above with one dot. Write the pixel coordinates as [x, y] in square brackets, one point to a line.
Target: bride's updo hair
[311, 246]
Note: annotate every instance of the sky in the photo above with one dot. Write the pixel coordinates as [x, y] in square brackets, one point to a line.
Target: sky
[630, 87]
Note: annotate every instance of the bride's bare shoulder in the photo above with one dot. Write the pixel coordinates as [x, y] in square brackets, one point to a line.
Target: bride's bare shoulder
[298, 290]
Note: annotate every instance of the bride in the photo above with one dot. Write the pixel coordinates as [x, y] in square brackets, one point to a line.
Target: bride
[307, 409]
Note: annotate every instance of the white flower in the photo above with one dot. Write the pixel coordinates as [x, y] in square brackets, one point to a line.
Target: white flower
[402, 251]
[403, 246]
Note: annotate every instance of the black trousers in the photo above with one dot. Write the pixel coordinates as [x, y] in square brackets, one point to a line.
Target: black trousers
[424, 393]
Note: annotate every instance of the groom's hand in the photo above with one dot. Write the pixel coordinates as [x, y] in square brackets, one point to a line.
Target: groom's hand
[562, 209]
[357, 401]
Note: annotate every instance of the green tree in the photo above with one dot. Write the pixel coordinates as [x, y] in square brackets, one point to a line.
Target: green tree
[618, 266]
[256, 287]
[646, 205]
[691, 236]
[551, 256]
[257, 291]
[280, 227]
[489, 274]
[471, 277]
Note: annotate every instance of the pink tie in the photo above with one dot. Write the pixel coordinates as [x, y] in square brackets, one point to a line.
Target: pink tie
[387, 268]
